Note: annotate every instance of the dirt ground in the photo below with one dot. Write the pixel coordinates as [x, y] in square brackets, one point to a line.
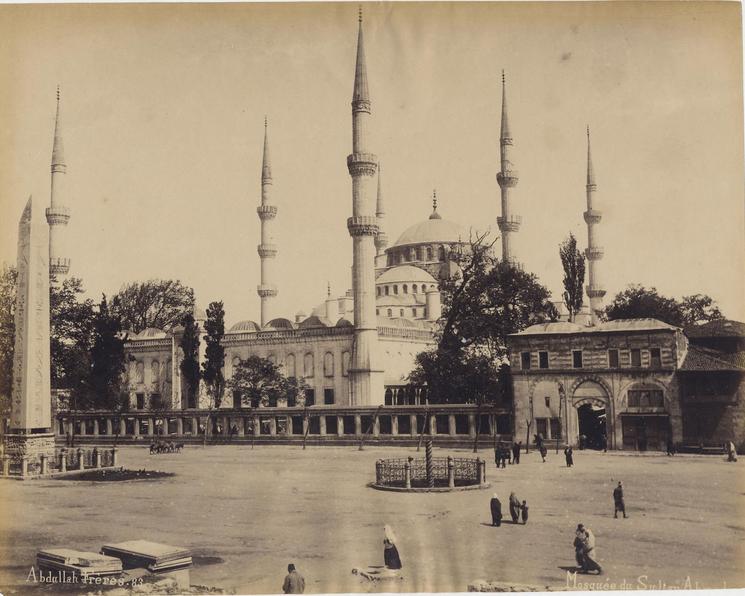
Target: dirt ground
[246, 513]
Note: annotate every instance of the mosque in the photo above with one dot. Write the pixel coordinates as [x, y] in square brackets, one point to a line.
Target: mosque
[633, 384]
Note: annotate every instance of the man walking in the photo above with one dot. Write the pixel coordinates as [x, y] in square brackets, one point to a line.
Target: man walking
[294, 582]
[618, 501]
[569, 455]
[516, 452]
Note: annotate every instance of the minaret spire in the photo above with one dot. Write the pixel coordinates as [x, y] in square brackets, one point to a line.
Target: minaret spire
[381, 238]
[267, 250]
[507, 178]
[593, 253]
[365, 374]
[58, 214]
[434, 214]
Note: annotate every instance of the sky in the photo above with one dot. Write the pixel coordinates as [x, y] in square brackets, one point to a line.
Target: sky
[163, 117]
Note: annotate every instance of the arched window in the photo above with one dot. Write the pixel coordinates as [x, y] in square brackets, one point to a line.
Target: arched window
[290, 365]
[395, 289]
[413, 289]
[387, 290]
[308, 365]
[406, 289]
[377, 311]
[421, 253]
[400, 257]
[413, 312]
[345, 364]
[412, 254]
[390, 313]
[140, 376]
[429, 253]
[401, 312]
[328, 364]
[389, 259]
[272, 358]
[441, 254]
[377, 290]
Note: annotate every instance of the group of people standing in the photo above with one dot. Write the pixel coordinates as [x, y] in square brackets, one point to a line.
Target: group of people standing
[517, 510]
[504, 453]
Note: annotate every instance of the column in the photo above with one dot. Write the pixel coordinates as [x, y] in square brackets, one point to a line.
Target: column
[451, 425]
[376, 426]
[357, 424]
[109, 427]
[95, 427]
[394, 425]
[322, 425]
[471, 425]
[137, 427]
[340, 426]
[412, 424]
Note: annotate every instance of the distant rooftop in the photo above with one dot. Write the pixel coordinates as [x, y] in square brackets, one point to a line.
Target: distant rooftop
[718, 328]
[562, 327]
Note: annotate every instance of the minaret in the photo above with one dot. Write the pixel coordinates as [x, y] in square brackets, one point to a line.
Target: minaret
[58, 214]
[434, 214]
[365, 375]
[594, 253]
[508, 223]
[381, 238]
[267, 249]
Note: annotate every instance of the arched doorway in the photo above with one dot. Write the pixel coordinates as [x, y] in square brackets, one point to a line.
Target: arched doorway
[591, 419]
[592, 415]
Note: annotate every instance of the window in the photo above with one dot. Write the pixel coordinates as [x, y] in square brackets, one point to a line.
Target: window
[290, 365]
[613, 358]
[655, 360]
[577, 358]
[328, 397]
[646, 398]
[308, 365]
[541, 427]
[387, 290]
[525, 360]
[542, 359]
[390, 313]
[555, 428]
[636, 357]
[441, 253]
[140, 401]
[413, 312]
[328, 364]
[377, 311]
[378, 290]
[548, 401]
[310, 397]
[345, 364]
[406, 289]
[429, 253]
[401, 312]
[395, 290]
[413, 289]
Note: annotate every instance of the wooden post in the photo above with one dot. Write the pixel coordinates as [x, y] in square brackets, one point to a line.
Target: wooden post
[482, 472]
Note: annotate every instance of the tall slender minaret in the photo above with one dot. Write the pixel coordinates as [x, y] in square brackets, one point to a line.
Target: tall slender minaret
[267, 250]
[594, 253]
[508, 223]
[381, 238]
[365, 375]
[58, 214]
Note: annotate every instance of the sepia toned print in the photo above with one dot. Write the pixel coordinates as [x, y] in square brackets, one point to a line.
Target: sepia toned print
[392, 297]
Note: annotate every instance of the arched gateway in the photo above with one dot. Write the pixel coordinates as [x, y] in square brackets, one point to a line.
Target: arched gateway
[592, 419]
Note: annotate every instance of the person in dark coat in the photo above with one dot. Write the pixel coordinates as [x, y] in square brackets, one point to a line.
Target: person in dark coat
[496, 511]
[497, 456]
[619, 504]
[544, 452]
[503, 455]
[294, 582]
[516, 452]
[390, 553]
[524, 510]
[569, 455]
[514, 508]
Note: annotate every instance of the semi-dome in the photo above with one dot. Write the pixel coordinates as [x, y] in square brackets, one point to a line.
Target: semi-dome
[432, 230]
[405, 273]
[151, 333]
[278, 324]
[242, 326]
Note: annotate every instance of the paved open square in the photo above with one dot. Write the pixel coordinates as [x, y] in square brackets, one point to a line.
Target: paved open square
[245, 512]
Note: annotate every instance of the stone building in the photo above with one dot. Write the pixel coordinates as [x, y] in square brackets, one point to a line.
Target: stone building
[630, 384]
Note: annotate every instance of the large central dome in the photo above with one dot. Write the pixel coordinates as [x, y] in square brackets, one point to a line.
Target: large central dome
[432, 230]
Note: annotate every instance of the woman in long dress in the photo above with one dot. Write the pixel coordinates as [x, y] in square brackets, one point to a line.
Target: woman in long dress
[390, 552]
[496, 511]
[514, 508]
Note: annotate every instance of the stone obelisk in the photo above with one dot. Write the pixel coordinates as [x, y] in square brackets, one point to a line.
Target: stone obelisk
[30, 434]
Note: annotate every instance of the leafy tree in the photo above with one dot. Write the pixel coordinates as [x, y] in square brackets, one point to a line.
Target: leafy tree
[155, 303]
[212, 367]
[258, 381]
[104, 386]
[573, 263]
[8, 278]
[483, 302]
[190, 363]
[636, 302]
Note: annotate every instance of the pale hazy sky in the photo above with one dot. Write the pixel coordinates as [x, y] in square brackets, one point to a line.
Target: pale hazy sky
[163, 111]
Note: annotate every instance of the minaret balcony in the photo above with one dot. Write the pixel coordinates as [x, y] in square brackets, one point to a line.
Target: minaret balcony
[593, 216]
[266, 212]
[59, 168]
[57, 215]
[361, 105]
[511, 223]
[266, 290]
[507, 178]
[362, 164]
[59, 265]
[267, 251]
[594, 253]
[594, 291]
[363, 225]
[381, 239]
